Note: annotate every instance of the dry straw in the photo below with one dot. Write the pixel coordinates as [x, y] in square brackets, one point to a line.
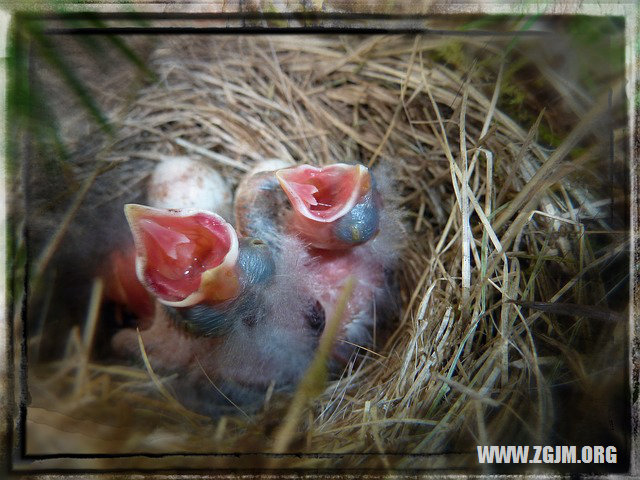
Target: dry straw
[493, 223]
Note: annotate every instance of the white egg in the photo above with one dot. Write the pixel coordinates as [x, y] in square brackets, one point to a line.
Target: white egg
[180, 182]
[269, 165]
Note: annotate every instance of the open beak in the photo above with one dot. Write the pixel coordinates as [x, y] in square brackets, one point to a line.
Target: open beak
[184, 257]
[335, 206]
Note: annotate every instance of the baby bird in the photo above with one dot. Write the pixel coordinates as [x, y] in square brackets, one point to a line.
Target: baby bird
[347, 227]
[222, 319]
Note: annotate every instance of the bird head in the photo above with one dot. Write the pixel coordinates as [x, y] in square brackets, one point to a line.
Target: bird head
[335, 207]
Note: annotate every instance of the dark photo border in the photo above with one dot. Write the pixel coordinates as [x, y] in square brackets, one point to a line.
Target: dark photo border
[17, 462]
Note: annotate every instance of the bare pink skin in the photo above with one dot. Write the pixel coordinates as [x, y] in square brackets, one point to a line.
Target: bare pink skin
[328, 273]
[164, 344]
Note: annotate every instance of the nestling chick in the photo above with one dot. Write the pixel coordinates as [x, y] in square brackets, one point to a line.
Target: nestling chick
[348, 228]
[335, 207]
[222, 317]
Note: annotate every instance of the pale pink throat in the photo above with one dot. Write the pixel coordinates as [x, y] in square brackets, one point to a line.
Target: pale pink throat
[184, 257]
[321, 196]
[324, 194]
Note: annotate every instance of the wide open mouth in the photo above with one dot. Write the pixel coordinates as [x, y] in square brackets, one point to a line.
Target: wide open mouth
[184, 256]
[324, 194]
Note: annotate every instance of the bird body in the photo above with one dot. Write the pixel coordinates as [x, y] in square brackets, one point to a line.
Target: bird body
[269, 338]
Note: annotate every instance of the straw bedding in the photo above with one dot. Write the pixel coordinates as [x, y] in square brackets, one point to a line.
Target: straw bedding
[492, 215]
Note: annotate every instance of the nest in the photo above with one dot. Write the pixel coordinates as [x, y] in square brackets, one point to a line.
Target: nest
[504, 292]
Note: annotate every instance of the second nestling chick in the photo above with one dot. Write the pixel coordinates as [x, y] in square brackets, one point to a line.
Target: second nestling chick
[349, 226]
